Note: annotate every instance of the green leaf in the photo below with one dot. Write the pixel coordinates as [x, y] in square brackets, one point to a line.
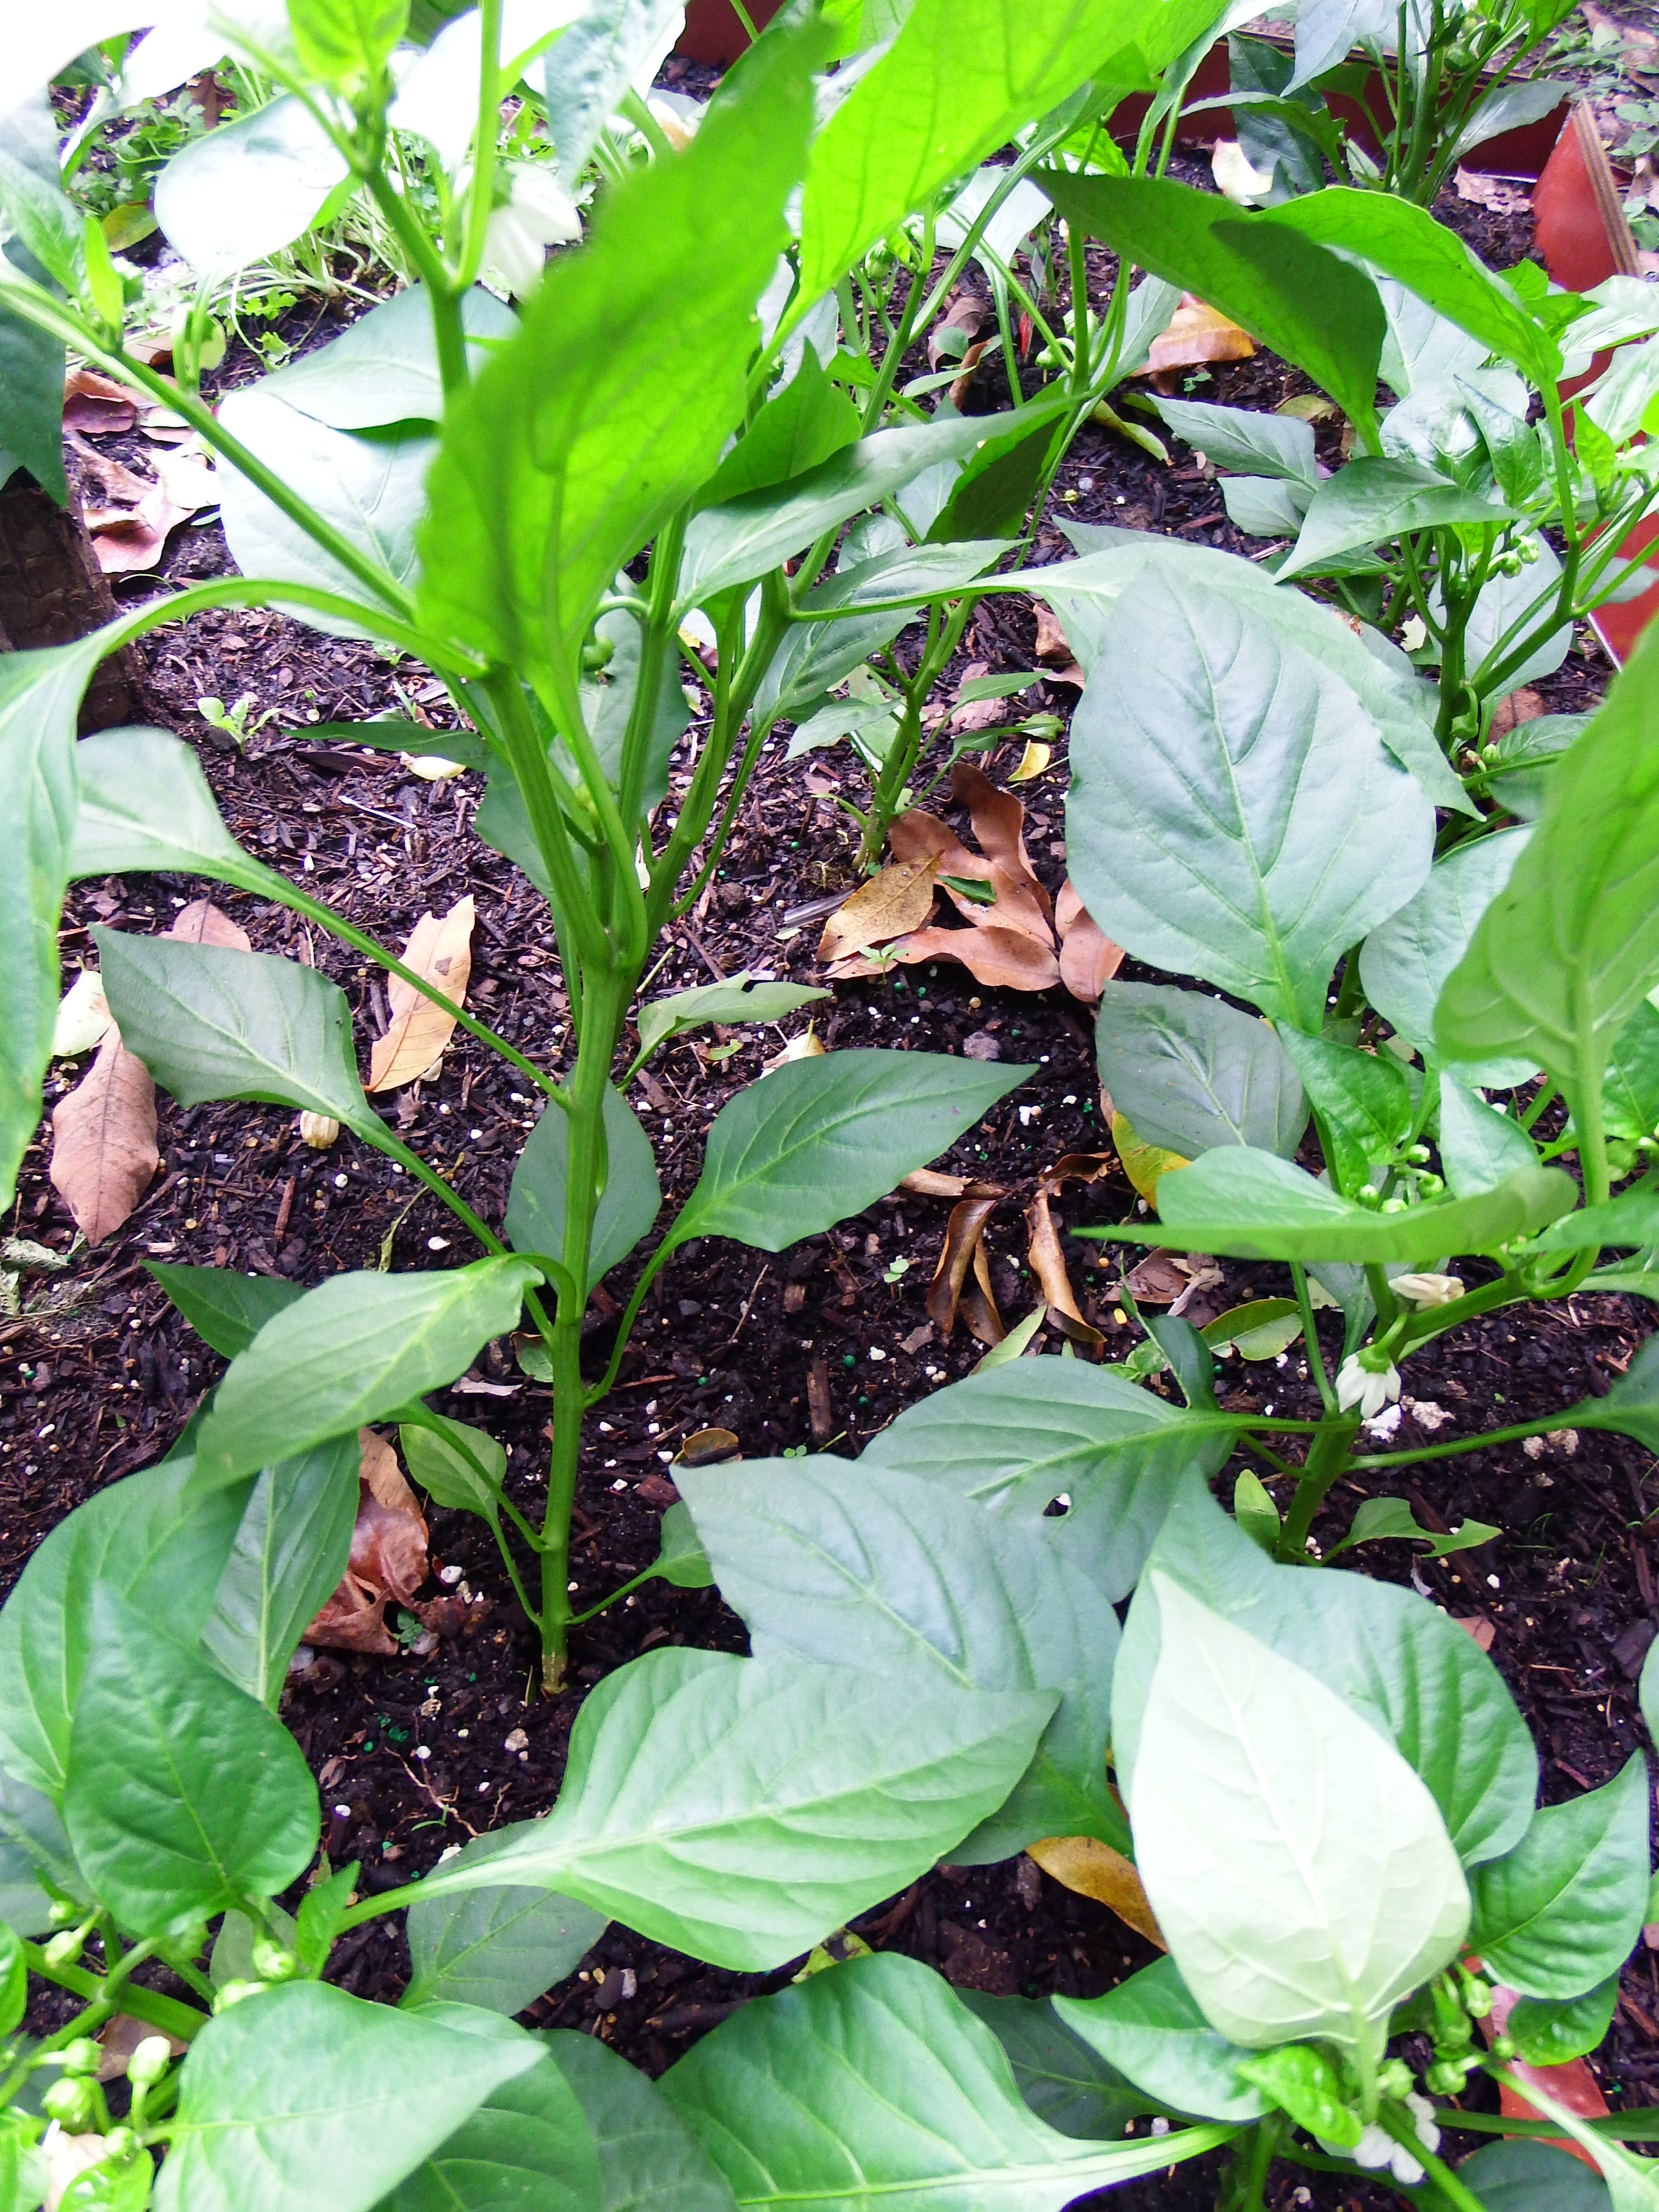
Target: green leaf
[807, 422]
[1404, 964]
[905, 577]
[14, 1981]
[39, 698]
[183, 1795]
[1372, 501]
[1379, 1518]
[1258, 1330]
[1355, 1895]
[527, 2143]
[586, 74]
[442, 1461]
[292, 1546]
[1630, 1089]
[1409, 244]
[39, 214]
[1309, 305]
[305, 2095]
[323, 1909]
[1648, 1689]
[745, 536]
[1017, 1439]
[31, 360]
[1150, 2030]
[160, 1539]
[1479, 1147]
[737, 999]
[649, 2159]
[740, 1809]
[1257, 1207]
[247, 189]
[1262, 507]
[346, 42]
[145, 807]
[355, 1349]
[209, 1022]
[821, 1139]
[1547, 2033]
[1303, 2081]
[498, 1948]
[682, 1559]
[873, 2085]
[226, 1310]
[1363, 1106]
[1524, 2176]
[1399, 1663]
[1062, 2078]
[1566, 951]
[384, 368]
[34, 1851]
[629, 1200]
[1233, 812]
[871, 1565]
[611, 406]
[1564, 1909]
[1277, 446]
[1191, 1072]
[1631, 1406]
[1254, 1511]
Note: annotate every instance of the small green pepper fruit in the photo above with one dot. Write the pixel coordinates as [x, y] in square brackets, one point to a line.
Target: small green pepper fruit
[596, 654]
[62, 1914]
[121, 2144]
[1503, 2046]
[1444, 2078]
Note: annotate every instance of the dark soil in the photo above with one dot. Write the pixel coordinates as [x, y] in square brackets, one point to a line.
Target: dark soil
[99, 1374]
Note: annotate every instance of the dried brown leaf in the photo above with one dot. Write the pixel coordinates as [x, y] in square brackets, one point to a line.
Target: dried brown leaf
[388, 1559]
[957, 1257]
[1009, 959]
[128, 540]
[1052, 643]
[1077, 1167]
[998, 820]
[963, 313]
[1157, 1280]
[704, 1446]
[897, 900]
[113, 477]
[1197, 334]
[807, 1046]
[1094, 1870]
[1525, 706]
[94, 402]
[928, 1183]
[201, 922]
[965, 384]
[103, 1140]
[1497, 193]
[441, 950]
[1088, 957]
[1048, 1264]
[978, 1305]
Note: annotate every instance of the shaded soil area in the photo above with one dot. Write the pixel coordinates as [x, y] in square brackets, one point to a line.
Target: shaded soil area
[817, 1348]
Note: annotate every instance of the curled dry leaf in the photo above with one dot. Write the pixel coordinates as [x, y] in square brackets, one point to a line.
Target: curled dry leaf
[964, 316]
[963, 1254]
[113, 479]
[92, 403]
[965, 384]
[1076, 1167]
[388, 1556]
[1088, 957]
[705, 1446]
[994, 957]
[807, 1046]
[1094, 1870]
[128, 539]
[103, 1140]
[1033, 761]
[1048, 1264]
[1052, 642]
[1197, 334]
[998, 820]
[441, 950]
[188, 477]
[201, 922]
[431, 767]
[929, 1182]
[83, 1017]
[1142, 1163]
[898, 899]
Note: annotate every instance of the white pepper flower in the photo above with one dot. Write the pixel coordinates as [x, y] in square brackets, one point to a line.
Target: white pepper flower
[539, 213]
[319, 1131]
[1369, 1389]
[1424, 1291]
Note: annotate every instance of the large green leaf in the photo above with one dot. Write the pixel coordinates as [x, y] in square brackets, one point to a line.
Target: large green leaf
[611, 406]
[145, 807]
[1190, 1072]
[356, 1348]
[1062, 2078]
[497, 1949]
[1564, 1909]
[1249, 1766]
[1479, 1146]
[209, 1022]
[1372, 502]
[1019, 1436]
[1399, 1663]
[1277, 446]
[740, 1809]
[39, 698]
[31, 360]
[1309, 305]
[1405, 242]
[1404, 963]
[1569, 948]
[159, 1539]
[183, 1794]
[961, 79]
[346, 42]
[629, 1203]
[305, 2096]
[821, 1139]
[247, 189]
[1632, 1217]
[292, 1546]
[807, 422]
[226, 1310]
[384, 368]
[1364, 1104]
[1259, 1207]
[650, 2159]
[528, 2143]
[1234, 813]
[873, 2085]
[874, 1566]
[1521, 2176]
[1150, 2029]
[34, 1851]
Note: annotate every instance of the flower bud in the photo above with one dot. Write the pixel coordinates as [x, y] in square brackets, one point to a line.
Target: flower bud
[69, 2101]
[149, 2062]
[80, 2056]
[1396, 2079]
[273, 1962]
[1503, 2046]
[62, 1913]
[65, 1948]
[121, 2143]
[319, 1131]
[233, 1992]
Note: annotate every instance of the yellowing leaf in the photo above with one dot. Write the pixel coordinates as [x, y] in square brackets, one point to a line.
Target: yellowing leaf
[1032, 761]
[103, 1140]
[1142, 1163]
[806, 1046]
[432, 768]
[441, 950]
[1196, 334]
[1094, 1870]
[896, 901]
[83, 1017]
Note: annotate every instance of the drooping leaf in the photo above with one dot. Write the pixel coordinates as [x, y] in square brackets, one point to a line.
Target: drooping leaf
[145, 807]
[226, 1310]
[388, 1559]
[629, 1203]
[354, 1350]
[1355, 1895]
[441, 950]
[1379, 1519]
[807, 422]
[457, 1466]
[304, 2095]
[209, 1023]
[1276, 446]
[497, 1948]
[527, 2143]
[1546, 2032]
[182, 1794]
[1562, 1910]
[1374, 500]
[292, 1546]
[103, 1141]
[740, 1809]
[813, 1142]
[1305, 834]
[1150, 2030]
[1191, 1072]
[873, 2085]
[876, 1567]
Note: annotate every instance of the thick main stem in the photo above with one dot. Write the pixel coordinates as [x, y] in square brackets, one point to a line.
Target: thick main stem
[1327, 1455]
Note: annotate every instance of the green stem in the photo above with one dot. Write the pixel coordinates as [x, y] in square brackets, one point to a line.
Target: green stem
[1327, 1458]
[374, 1131]
[1310, 1337]
[1454, 2192]
[481, 195]
[167, 2014]
[653, 1268]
